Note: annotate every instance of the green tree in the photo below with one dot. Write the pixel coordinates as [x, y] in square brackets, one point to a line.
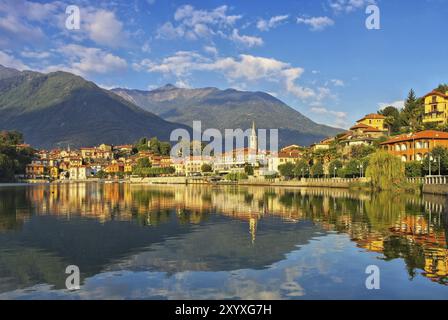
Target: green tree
[165, 148]
[206, 168]
[143, 163]
[317, 170]
[235, 176]
[392, 122]
[301, 169]
[141, 145]
[442, 88]
[11, 138]
[352, 170]
[438, 155]
[413, 169]
[249, 169]
[154, 145]
[386, 171]
[361, 151]
[286, 170]
[412, 113]
[334, 167]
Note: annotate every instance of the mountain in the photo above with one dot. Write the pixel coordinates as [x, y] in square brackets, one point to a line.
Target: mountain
[229, 109]
[59, 109]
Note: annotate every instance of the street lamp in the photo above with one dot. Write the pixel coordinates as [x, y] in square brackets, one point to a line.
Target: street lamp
[334, 172]
[430, 160]
[361, 169]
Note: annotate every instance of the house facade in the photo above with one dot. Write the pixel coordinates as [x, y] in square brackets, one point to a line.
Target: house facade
[436, 108]
[416, 146]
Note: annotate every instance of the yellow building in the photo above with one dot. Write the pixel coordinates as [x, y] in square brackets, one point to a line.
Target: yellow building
[436, 108]
[373, 120]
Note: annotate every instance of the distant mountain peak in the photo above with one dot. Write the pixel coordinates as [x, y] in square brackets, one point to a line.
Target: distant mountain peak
[229, 108]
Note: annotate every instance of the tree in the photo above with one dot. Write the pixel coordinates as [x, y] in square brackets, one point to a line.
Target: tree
[352, 170]
[438, 154]
[165, 148]
[206, 168]
[386, 171]
[334, 167]
[11, 138]
[413, 169]
[249, 169]
[361, 151]
[317, 170]
[442, 88]
[286, 170]
[144, 163]
[392, 121]
[141, 145]
[13, 160]
[301, 169]
[412, 113]
[154, 145]
[235, 176]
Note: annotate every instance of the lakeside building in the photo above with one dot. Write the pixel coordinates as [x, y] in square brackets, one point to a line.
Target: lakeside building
[436, 108]
[80, 172]
[289, 154]
[415, 146]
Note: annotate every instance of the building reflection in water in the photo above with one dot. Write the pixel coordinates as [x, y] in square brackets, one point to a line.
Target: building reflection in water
[408, 227]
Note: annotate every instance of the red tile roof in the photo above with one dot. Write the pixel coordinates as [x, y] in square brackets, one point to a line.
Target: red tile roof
[365, 127]
[427, 134]
[372, 116]
[436, 93]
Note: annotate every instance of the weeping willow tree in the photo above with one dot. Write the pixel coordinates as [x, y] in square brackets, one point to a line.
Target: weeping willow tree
[385, 171]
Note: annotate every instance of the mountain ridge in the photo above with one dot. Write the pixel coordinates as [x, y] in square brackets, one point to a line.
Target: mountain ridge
[229, 109]
[60, 108]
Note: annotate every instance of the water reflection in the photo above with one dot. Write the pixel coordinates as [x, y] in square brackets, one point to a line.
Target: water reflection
[226, 241]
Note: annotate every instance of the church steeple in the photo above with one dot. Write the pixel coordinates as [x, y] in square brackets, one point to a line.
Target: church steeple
[253, 140]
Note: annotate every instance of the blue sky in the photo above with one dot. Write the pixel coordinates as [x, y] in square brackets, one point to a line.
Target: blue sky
[317, 55]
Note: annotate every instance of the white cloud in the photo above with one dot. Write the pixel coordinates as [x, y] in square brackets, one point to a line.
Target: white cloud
[334, 118]
[248, 41]
[316, 23]
[194, 24]
[35, 54]
[273, 22]
[18, 30]
[11, 62]
[337, 82]
[83, 61]
[348, 6]
[397, 104]
[146, 47]
[211, 50]
[244, 68]
[105, 28]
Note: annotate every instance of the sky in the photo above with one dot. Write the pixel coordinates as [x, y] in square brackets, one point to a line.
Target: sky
[317, 56]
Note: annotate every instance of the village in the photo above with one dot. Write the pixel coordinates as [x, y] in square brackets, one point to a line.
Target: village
[345, 155]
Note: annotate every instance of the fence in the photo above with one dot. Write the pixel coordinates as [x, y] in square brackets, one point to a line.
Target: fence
[429, 180]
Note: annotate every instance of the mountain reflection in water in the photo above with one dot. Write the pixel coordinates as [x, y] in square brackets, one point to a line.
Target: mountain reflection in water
[160, 242]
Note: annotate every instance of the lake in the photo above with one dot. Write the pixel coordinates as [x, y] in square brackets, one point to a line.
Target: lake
[207, 242]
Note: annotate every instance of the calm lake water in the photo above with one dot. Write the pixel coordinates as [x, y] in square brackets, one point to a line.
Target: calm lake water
[201, 242]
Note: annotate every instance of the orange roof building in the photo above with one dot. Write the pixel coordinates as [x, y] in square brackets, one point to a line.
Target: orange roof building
[416, 146]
